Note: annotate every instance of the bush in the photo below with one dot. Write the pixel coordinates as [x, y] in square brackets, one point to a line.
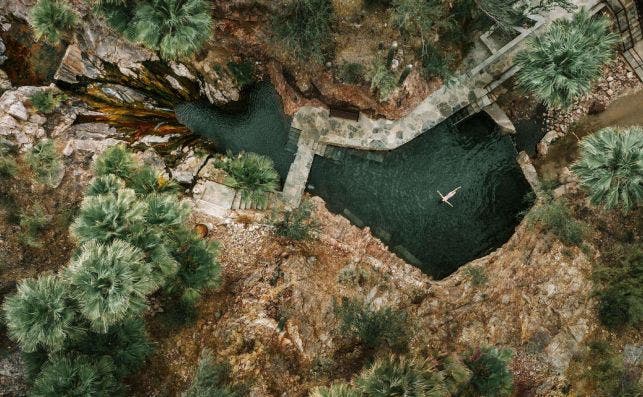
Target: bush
[560, 65]
[336, 390]
[351, 73]
[396, 376]
[212, 379]
[108, 217]
[556, 217]
[32, 223]
[477, 274]
[296, 224]
[106, 184]
[618, 288]
[8, 166]
[611, 167]
[109, 282]
[76, 376]
[44, 101]
[46, 162]
[374, 327]
[384, 81]
[490, 375]
[243, 73]
[198, 269]
[51, 19]
[252, 174]
[305, 29]
[115, 160]
[40, 314]
[125, 343]
[606, 371]
[145, 180]
[176, 28]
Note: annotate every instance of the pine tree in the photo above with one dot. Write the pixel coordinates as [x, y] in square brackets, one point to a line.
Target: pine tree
[561, 65]
[40, 314]
[611, 167]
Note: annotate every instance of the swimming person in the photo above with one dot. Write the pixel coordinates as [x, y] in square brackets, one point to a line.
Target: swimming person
[445, 199]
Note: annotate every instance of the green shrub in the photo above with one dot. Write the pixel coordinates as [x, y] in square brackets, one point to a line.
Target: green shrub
[556, 217]
[560, 65]
[606, 371]
[40, 314]
[490, 373]
[477, 275]
[305, 29]
[45, 162]
[44, 101]
[106, 184]
[32, 223]
[212, 379]
[116, 160]
[384, 81]
[146, 180]
[108, 217]
[611, 167]
[252, 174]
[618, 288]
[119, 15]
[76, 376]
[109, 282]
[335, 390]
[400, 377]
[176, 28]
[198, 269]
[296, 224]
[51, 19]
[8, 164]
[374, 327]
[243, 73]
[351, 73]
[125, 343]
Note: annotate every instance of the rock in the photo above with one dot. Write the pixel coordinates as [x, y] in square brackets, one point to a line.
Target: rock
[596, 107]
[542, 148]
[500, 117]
[122, 94]
[69, 149]
[187, 169]
[18, 110]
[529, 171]
[5, 83]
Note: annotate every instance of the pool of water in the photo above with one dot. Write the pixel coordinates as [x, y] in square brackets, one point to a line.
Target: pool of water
[256, 124]
[395, 192]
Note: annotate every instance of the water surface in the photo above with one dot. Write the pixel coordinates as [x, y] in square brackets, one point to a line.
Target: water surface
[394, 192]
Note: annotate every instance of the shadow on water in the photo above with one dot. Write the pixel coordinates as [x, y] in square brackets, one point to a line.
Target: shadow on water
[395, 193]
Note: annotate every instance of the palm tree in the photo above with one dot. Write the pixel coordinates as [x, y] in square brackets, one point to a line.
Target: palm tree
[40, 314]
[109, 282]
[560, 65]
[254, 175]
[398, 376]
[174, 27]
[611, 167]
[335, 390]
[76, 376]
[51, 19]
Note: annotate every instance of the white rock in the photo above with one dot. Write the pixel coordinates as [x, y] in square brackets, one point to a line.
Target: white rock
[69, 149]
[18, 110]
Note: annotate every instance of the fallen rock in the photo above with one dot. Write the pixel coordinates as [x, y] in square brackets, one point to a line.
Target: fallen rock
[596, 107]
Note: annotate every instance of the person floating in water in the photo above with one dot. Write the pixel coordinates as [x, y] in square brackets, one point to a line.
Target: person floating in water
[445, 199]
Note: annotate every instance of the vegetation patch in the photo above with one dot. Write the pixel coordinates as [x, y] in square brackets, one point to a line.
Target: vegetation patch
[252, 174]
[52, 20]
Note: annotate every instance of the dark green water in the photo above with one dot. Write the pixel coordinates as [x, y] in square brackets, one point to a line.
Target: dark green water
[395, 194]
